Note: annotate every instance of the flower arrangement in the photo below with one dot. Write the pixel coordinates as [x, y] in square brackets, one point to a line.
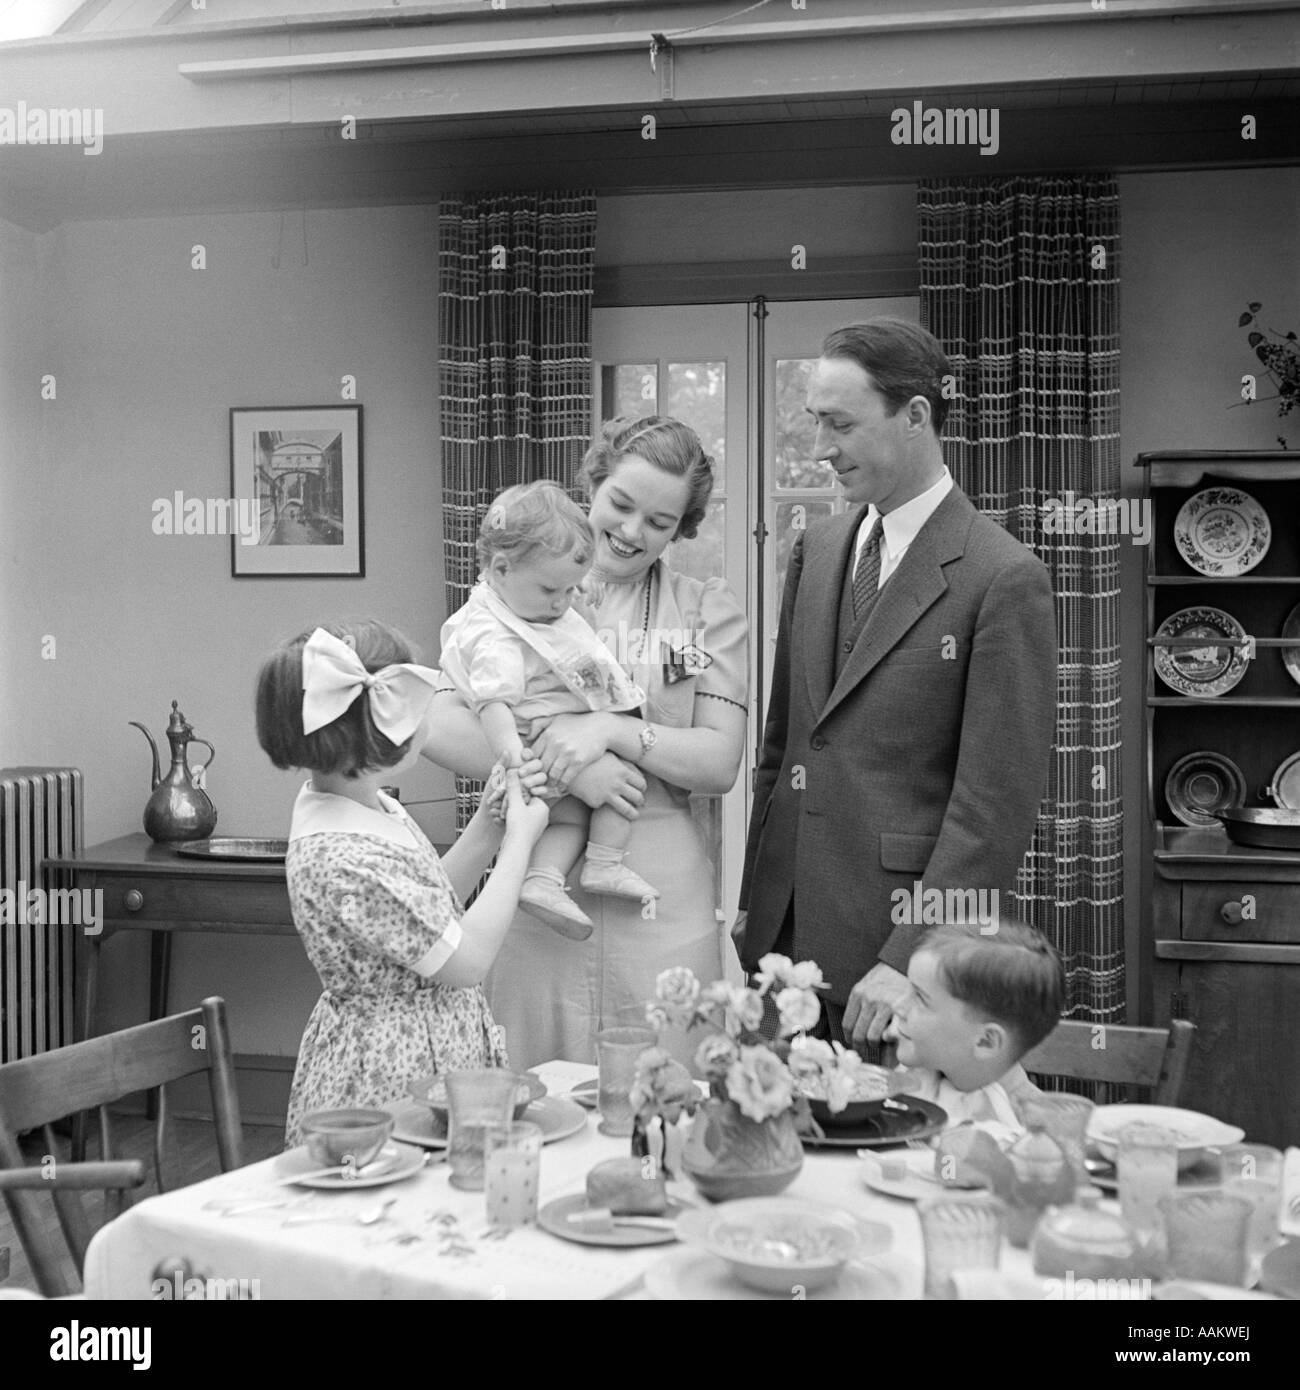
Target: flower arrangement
[764, 1077]
[1280, 359]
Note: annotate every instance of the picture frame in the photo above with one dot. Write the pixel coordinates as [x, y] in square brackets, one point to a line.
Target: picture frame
[300, 469]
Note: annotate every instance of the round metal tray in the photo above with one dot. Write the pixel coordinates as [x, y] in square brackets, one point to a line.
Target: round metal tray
[1262, 827]
[230, 847]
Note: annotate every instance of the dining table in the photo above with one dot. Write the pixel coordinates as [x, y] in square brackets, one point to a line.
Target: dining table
[248, 1233]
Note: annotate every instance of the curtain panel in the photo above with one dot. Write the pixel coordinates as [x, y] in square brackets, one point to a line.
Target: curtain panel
[515, 279]
[1019, 282]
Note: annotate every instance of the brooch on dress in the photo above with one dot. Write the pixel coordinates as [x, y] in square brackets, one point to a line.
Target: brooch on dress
[684, 663]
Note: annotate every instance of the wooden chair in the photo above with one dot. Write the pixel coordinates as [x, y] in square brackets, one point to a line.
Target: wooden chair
[1154, 1058]
[36, 1091]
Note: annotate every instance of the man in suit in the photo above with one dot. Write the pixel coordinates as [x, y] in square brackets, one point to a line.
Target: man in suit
[913, 697]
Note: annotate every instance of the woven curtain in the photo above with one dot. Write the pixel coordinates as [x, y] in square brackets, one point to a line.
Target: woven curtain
[515, 277]
[1019, 282]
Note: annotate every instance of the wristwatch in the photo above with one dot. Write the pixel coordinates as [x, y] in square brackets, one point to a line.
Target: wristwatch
[648, 739]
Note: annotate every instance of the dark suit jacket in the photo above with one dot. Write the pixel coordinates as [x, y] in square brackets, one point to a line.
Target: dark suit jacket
[926, 760]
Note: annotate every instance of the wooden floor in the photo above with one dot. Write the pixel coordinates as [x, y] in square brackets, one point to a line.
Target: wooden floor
[189, 1156]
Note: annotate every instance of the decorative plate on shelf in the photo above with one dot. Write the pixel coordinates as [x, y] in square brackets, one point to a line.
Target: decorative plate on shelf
[1291, 655]
[1202, 672]
[1222, 532]
[1285, 786]
[1201, 785]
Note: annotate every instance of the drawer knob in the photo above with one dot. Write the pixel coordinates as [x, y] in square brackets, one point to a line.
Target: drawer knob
[1232, 913]
[133, 899]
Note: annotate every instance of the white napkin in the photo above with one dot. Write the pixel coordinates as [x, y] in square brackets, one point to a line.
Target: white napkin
[1289, 1219]
[985, 1285]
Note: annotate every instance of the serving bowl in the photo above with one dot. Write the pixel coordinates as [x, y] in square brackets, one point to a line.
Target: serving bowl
[338, 1137]
[776, 1244]
[1194, 1132]
[876, 1086]
[432, 1091]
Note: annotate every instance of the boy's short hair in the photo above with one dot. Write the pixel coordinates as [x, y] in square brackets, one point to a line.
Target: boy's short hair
[352, 743]
[530, 517]
[1012, 974]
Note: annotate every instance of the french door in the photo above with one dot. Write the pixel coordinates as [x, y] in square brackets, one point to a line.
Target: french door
[737, 374]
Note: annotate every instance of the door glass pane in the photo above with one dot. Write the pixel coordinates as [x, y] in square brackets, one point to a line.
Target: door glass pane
[792, 520]
[629, 388]
[796, 430]
[697, 395]
[706, 555]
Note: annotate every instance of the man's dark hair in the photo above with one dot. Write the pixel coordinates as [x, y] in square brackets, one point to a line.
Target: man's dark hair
[902, 359]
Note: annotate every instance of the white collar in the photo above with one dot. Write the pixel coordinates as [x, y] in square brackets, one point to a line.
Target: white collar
[899, 528]
[325, 813]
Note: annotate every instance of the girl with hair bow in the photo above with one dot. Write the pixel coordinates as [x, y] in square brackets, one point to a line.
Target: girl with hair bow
[400, 959]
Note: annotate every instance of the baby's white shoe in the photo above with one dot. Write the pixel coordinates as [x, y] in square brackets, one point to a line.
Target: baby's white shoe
[615, 880]
[543, 897]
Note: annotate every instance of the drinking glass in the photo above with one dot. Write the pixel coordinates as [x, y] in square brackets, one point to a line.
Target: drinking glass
[512, 1160]
[1065, 1117]
[959, 1233]
[475, 1099]
[1254, 1171]
[1146, 1168]
[617, 1050]
[1206, 1235]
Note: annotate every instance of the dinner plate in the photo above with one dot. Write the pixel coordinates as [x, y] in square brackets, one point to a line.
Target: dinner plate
[1291, 655]
[230, 847]
[918, 1120]
[1222, 532]
[1201, 785]
[1193, 1130]
[402, 1161]
[587, 1093]
[1207, 671]
[553, 1217]
[1203, 1173]
[918, 1183]
[414, 1123]
[694, 1274]
[1285, 785]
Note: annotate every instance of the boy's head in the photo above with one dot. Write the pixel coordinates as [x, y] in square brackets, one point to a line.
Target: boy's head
[535, 547]
[351, 743]
[978, 1002]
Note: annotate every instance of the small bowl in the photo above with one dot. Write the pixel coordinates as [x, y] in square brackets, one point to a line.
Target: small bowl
[432, 1091]
[780, 1244]
[1195, 1132]
[355, 1137]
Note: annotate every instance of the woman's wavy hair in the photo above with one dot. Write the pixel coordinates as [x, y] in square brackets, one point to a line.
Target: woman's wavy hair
[666, 443]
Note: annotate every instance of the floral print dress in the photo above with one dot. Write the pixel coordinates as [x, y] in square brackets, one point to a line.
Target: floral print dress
[378, 918]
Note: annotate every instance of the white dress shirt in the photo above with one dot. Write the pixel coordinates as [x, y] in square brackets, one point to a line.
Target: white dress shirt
[900, 526]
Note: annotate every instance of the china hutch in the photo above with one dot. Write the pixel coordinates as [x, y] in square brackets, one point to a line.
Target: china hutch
[1222, 933]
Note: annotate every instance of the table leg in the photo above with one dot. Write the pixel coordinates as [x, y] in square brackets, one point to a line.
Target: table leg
[87, 981]
[160, 970]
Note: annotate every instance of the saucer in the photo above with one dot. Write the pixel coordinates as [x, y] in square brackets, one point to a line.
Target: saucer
[400, 1161]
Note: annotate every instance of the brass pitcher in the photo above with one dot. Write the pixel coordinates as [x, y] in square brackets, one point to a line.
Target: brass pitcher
[179, 808]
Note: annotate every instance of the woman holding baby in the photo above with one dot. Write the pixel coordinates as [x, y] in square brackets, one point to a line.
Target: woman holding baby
[683, 643]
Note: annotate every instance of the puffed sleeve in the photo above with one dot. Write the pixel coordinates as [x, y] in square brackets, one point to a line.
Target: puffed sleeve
[484, 662]
[392, 911]
[724, 636]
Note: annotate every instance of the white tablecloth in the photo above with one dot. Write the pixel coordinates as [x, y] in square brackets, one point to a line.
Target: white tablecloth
[343, 1259]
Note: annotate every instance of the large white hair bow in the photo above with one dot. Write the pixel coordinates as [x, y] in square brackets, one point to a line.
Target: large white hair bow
[333, 676]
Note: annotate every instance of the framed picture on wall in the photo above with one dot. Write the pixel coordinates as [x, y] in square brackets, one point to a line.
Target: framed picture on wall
[297, 471]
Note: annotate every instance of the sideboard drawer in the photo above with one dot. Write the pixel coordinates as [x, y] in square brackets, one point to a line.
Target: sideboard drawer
[148, 898]
[1241, 911]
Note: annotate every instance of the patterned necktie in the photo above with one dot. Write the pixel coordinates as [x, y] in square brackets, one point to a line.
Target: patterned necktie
[866, 578]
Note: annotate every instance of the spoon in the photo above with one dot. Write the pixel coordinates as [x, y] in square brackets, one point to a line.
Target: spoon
[367, 1216]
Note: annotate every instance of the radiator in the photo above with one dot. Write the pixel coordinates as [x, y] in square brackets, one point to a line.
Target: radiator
[40, 817]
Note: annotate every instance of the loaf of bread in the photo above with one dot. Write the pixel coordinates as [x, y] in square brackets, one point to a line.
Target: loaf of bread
[628, 1187]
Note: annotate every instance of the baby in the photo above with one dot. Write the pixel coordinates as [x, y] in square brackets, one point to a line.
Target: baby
[977, 1004]
[519, 654]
